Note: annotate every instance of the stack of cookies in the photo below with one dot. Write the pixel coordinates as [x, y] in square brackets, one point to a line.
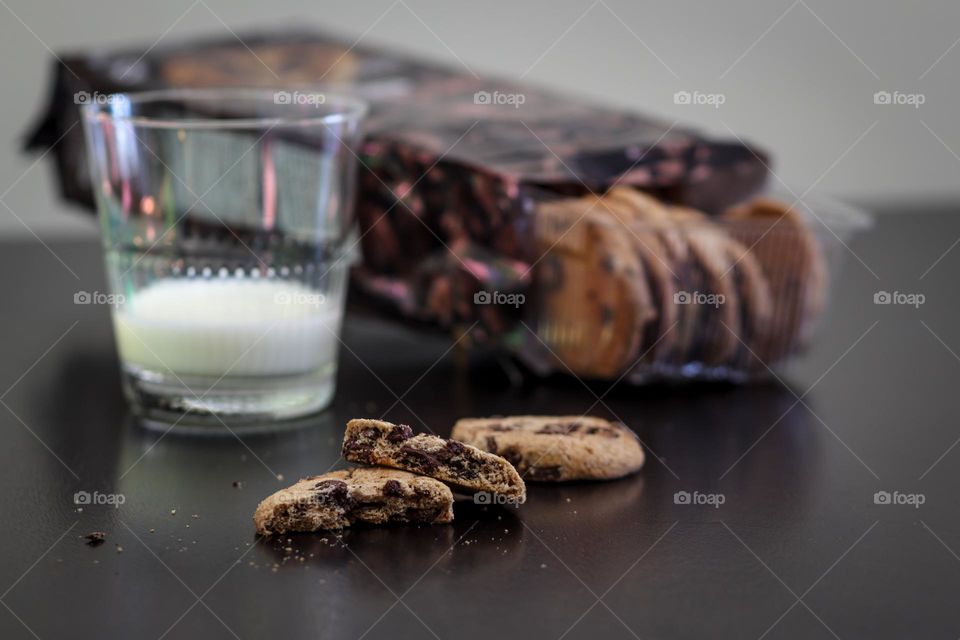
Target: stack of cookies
[629, 284]
[411, 477]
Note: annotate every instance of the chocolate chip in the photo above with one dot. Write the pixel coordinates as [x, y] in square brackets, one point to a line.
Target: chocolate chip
[512, 456]
[419, 459]
[371, 434]
[502, 427]
[400, 433]
[357, 451]
[556, 428]
[606, 315]
[456, 448]
[606, 432]
[332, 492]
[392, 488]
[491, 444]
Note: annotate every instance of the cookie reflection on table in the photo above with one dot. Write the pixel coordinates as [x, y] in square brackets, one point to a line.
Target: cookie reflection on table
[597, 502]
[481, 536]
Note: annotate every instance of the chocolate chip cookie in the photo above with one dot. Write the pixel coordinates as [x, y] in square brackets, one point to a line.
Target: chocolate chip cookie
[712, 300]
[341, 498]
[756, 304]
[593, 302]
[556, 448]
[468, 468]
[781, 240]
[659, 247]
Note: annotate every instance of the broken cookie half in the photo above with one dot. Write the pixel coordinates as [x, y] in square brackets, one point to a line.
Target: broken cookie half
[341, 498]
[467, 468]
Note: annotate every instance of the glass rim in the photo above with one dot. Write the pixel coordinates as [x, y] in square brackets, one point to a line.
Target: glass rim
[346, 108]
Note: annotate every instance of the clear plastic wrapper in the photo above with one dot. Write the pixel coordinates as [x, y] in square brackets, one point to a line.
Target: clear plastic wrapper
[626, 287]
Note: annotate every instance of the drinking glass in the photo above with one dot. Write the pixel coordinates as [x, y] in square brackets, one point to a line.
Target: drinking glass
[225, 215]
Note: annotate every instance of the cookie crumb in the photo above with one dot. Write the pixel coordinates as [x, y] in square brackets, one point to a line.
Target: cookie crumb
[119, 549]
[237, 484]
[95, 538]
[173, 512]
[280, 477]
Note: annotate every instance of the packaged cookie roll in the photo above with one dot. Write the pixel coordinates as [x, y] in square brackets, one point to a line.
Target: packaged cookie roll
[475, 205]
[625, 286]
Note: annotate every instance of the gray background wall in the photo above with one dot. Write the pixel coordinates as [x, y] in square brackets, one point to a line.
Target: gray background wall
[798, 76]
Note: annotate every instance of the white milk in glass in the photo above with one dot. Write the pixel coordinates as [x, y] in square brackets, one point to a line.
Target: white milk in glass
[200, 332]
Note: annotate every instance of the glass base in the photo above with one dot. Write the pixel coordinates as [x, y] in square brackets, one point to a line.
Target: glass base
[235, 403]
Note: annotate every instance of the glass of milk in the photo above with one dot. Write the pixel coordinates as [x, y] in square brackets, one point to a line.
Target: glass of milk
[226, 218]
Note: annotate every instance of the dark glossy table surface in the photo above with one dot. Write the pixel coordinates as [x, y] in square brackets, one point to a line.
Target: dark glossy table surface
[798, 549]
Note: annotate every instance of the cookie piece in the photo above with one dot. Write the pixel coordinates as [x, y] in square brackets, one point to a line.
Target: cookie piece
[652, 212]
[593, 302]
[341, 498]
[654, 242]
[712, 302]
[783, 244]
[756, 304]
[383, 443]
[557, 448]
